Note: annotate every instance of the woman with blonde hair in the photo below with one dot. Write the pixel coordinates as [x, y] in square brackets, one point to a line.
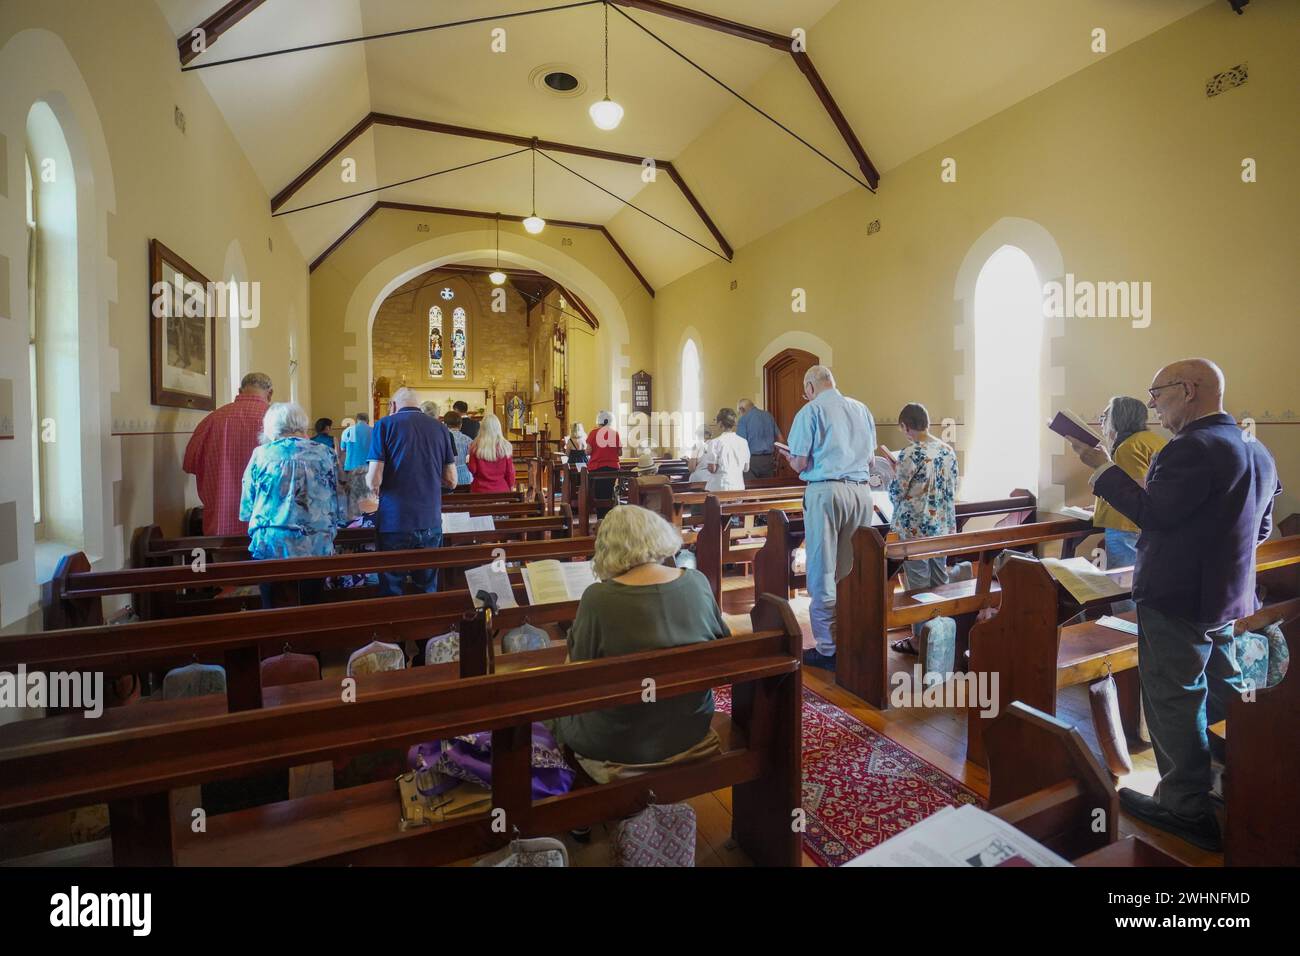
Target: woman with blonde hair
[491, 459]
[575, 446]
[639, 604]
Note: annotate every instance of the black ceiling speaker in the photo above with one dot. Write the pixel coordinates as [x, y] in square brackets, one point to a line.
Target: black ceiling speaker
[1238, 5]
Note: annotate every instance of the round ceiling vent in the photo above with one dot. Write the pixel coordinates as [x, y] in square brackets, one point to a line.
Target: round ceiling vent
[558, 79]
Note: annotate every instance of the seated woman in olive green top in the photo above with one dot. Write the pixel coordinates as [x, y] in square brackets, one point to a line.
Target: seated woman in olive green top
[640, 605]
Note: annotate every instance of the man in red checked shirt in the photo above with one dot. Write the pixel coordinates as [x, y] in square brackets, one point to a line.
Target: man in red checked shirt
[219, 451]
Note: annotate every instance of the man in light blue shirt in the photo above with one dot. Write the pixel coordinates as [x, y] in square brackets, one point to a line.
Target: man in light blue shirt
[758, 427]
[355, 442]
[831, 443]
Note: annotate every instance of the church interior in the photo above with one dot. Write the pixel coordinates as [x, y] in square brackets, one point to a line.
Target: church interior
[530, 226]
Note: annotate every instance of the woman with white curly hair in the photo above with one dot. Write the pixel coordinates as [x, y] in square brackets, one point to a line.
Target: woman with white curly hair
[641, 604]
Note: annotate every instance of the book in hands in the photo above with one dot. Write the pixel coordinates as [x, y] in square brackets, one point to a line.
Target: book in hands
[1069, 425]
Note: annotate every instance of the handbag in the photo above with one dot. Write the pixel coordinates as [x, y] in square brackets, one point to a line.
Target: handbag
[1103, 700]
[657, 836]
[539, 851]
[469, 758]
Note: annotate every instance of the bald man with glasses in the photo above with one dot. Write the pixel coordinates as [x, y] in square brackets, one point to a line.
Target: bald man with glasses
[1207, 504]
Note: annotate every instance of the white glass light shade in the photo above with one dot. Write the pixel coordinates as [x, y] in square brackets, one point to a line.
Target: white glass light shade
[606, 114]
[534, 224]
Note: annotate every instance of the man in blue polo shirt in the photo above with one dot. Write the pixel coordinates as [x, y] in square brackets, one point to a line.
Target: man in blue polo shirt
[758, 427]
[831, 441]
[412, 457]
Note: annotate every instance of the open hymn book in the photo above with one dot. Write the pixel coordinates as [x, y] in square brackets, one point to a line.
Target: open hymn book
[554, 582]
[1069, 425]
[1082, 579]
[960, 836]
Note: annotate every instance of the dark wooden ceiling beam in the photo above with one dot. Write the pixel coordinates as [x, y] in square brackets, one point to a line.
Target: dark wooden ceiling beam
[213, 27]
[707, 20]
[476, 214]
[777, 42]
[429, 126]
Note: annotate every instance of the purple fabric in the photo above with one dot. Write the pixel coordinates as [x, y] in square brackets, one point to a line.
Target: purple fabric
[469, 758]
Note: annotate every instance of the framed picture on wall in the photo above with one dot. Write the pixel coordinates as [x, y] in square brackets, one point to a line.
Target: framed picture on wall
[182, 333]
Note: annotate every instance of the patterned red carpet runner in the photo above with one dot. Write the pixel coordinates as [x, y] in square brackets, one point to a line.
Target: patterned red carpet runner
[859, 787]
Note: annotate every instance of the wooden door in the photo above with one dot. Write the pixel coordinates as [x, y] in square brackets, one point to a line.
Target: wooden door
[783, 392]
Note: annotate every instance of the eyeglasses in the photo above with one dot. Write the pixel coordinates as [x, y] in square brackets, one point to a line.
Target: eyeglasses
[1155, 388]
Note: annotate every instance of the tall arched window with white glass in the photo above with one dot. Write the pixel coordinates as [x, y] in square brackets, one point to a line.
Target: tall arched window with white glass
[233, 311]
[1007, 419]
[691, 390]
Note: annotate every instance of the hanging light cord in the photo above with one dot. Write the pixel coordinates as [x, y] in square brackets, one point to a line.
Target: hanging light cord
[607, 49]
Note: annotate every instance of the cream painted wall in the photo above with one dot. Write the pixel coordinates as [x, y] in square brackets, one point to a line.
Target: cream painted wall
[389, 249]
[1133, 173]
[110, 72]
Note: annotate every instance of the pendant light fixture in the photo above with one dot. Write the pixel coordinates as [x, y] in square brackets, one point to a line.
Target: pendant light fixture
[606, 114]
[498, 277]
[534, 223]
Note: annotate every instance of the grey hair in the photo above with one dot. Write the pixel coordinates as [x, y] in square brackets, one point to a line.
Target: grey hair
[256, 380]
[819, 373]
[283, 418]
[603, 418]
[403, 398]
[631, 536]
[1126, 415]
[744, 405]
[429, 408]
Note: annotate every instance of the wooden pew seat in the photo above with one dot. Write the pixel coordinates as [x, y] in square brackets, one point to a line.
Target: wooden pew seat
[348, 821]
[1086, 649]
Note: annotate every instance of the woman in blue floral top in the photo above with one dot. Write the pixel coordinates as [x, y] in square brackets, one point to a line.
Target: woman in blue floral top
[290, 498]
[924, 495]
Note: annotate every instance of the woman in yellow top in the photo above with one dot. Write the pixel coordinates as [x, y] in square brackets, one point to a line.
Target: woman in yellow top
[1132, 446]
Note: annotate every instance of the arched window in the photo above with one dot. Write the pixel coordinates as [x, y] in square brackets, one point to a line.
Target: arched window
[435, 342]
[1007, 417]
[234, 314]
[459, 344]
[31, 345]
[54, 350]
[691, 390]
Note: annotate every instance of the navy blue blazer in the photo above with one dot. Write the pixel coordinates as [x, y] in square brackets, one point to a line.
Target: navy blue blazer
[1207, 504]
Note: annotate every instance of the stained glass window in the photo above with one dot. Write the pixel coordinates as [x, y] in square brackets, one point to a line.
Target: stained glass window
[459, 345]
[435, 342]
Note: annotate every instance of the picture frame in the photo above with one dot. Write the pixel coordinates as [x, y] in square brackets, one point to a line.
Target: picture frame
[182, 333]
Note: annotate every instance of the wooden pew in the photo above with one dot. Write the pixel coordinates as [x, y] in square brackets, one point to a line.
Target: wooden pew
[716, 545]
[682, 505]
[240, 641]
[1261, 787]
[152, 750]
[867, 606]
[1035, 653]
[785, 532]
[1045, 781]
[76, 591]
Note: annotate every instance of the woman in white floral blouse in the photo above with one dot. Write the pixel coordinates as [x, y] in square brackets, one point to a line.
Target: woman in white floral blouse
[924, 495]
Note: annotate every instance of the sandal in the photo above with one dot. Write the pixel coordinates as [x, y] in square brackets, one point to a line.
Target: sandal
[905, 646]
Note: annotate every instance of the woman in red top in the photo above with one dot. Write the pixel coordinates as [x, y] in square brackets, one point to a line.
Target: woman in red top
[490, 459]
[604, 447]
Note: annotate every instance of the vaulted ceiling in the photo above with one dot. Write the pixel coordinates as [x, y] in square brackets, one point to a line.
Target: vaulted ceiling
[907, 76]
